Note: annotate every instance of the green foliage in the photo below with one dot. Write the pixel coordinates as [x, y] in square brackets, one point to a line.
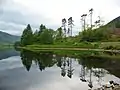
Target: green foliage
[95, 35]
[59, 34]
[46, 37]
[27, 36]
[60, 46]
[42, 28]
[35, 36]
[43, 36]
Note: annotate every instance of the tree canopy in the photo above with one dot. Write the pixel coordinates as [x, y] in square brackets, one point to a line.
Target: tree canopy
[62, 35]
[27, 36]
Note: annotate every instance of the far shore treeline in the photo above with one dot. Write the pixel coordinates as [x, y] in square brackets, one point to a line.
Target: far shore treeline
[64, 36]
[47, 36]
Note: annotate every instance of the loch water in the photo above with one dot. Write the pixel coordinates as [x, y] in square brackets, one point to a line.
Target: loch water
[47, 70]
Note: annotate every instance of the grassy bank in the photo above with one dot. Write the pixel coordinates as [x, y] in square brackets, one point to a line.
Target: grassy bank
[95, 46]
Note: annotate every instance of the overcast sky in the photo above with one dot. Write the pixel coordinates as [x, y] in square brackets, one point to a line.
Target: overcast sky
[16, 14]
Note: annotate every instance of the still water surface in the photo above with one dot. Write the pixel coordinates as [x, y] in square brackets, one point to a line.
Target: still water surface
[47, 71]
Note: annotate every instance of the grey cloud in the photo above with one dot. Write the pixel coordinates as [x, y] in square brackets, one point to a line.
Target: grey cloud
[4, 26]
[11, 28]
[23, 19]
[15, 20]
[2, 2]
[12, 19]
[53, 26]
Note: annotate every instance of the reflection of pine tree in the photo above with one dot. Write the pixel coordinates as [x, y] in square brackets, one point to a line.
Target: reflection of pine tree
[27, 63]
[26, 59]
[63, 68]
[45, 60]
[83, 70]
[70, 69]
[42, 59]
[82, 74]
[90, 80]
[41, 66]
[59, 61]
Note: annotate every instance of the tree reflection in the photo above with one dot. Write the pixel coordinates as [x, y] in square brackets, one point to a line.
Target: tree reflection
[63, 67]
[90, 79]
[99, 73]
[66, 65]
[26, 58]
[39, 58]
[59, 61]
[83, 73]
[90, 67]
[41, 65]
[70, 68]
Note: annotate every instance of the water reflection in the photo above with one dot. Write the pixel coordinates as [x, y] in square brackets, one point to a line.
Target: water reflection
[89, 67]
[5, 53]
[43, 60]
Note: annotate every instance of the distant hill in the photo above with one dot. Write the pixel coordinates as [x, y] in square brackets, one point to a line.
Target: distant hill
[6, 38]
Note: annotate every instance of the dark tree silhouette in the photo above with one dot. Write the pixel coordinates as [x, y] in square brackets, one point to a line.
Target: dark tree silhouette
[91, 14]
[27, 36]
[70, 68]
[84, 20]
[64, 26]
[70, 25]
[26, 58]
[63, 68]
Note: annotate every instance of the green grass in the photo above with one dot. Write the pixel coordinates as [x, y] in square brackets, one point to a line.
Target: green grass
[77, 45]
[95, 46]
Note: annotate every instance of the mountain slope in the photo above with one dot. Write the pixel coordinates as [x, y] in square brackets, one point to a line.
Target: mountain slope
[114, 21]
[114, 26]
[6, 38]
[8, 53]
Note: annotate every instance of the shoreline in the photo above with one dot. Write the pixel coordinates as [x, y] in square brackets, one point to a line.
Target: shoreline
[69, 49]
[111, 86]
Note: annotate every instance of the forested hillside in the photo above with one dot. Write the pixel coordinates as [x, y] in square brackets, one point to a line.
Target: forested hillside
[6, 38]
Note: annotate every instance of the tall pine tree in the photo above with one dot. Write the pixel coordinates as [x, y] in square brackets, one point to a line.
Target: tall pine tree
[27, 36]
